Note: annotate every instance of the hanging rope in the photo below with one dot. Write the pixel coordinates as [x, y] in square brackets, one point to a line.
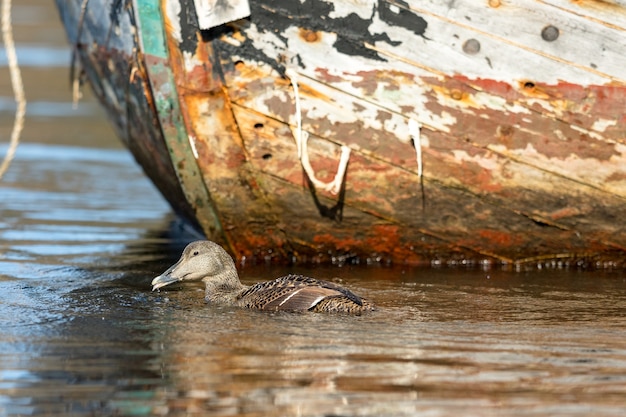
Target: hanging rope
[302, 139]
[414, 131]
[16, 82]
[75, 72]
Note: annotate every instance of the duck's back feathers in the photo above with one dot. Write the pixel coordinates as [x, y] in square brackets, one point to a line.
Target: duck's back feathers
[300, 293]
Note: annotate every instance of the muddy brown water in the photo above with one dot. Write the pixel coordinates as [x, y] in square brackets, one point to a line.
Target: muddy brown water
[82, 233]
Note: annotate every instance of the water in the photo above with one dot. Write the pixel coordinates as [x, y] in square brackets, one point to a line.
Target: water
[82, 233]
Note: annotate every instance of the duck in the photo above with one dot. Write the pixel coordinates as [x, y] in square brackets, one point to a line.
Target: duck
[207, 261]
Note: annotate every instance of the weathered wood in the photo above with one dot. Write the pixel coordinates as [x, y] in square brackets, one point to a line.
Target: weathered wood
[520, 103]
[166, 101]
[213, 13]
[108, 50]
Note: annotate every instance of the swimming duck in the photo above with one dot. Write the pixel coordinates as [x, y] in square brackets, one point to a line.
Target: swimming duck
[207, 261]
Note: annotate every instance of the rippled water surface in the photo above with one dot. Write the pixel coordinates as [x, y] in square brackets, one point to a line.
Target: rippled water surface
[82, 233]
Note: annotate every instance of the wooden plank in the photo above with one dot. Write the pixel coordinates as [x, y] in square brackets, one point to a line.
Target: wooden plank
[486, 121]
[213, 13]
[501, 209]
[505, 51]
[320, 60]
[153, 44]
[248, 212]
[526, 25]
[609, 13]
[358, 236]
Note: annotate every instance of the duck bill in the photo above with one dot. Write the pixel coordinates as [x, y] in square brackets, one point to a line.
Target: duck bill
[163, 280]
[166, 278]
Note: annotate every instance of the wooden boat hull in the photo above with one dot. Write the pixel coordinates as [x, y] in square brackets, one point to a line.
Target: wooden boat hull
[519, 155]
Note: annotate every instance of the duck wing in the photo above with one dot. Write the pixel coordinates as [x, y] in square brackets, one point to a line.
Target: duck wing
[293, 293]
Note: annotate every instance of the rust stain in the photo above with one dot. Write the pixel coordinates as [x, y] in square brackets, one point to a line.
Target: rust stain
[505, 134]
[500, 238]
[530, 88]
[140, 74]
[310, 36]
[240, 66]
[193, 71]
[462, 95]
[456, 94]
[383, 244]
[307, 91]
[606, 5]
[238, 36]
[387, 238]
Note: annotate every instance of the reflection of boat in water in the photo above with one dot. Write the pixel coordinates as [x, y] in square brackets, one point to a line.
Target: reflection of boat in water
[392, 130]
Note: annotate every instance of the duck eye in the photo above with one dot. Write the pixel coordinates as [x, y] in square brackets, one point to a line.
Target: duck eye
[195, 253]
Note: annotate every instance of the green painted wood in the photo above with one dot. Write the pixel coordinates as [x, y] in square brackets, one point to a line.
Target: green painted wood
[153, 42]
[150, 25]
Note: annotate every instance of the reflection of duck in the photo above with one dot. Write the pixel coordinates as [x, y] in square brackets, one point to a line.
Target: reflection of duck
[207, 261]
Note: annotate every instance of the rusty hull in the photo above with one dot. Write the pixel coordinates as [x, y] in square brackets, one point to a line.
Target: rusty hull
[523, 150]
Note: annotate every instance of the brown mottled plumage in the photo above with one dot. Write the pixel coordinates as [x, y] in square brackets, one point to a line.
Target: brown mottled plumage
[207, 261]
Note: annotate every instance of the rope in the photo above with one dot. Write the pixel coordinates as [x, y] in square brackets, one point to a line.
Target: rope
[414, 131]
[74, 73]
[302, 139]
[16, 82]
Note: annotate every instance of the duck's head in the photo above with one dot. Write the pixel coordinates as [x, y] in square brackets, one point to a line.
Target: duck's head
[201, 259]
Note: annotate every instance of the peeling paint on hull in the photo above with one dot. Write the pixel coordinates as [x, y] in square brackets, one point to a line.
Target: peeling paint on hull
[523, 132]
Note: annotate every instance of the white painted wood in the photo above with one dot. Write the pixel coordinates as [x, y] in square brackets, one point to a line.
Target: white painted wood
[595, 47]
[440, 52]
[213, 13]
[428, 59]
[412, 75]
[608, 13]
